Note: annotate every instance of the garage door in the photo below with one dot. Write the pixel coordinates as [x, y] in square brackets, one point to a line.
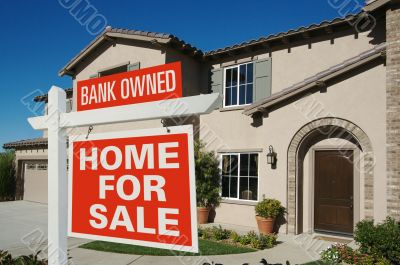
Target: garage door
[35, 181]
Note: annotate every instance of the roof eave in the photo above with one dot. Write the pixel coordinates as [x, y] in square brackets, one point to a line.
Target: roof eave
[283, 37]
[372, 6]
[67, 68]
[107, 36]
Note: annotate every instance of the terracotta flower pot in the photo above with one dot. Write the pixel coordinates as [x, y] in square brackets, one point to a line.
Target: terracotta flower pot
[265, 225]
[202, 215]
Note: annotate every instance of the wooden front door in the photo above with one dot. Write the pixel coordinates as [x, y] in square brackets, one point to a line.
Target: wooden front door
[333, 191]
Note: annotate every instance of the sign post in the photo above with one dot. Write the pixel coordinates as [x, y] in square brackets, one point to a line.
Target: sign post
[57, 121]
[57, 180]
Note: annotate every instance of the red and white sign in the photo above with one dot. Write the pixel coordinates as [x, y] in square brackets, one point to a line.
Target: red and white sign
[134, 187]
[138, 86]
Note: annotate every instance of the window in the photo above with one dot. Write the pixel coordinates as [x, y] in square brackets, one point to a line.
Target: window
[240, 176]
[115, 70]
[238, 88]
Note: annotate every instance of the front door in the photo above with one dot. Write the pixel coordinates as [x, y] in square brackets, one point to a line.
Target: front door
[333, 194]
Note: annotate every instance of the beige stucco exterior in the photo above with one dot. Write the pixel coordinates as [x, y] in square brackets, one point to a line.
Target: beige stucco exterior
[358, 96]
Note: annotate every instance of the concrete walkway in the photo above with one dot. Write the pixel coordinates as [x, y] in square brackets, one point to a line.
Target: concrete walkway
[24, 231]
[297, 251]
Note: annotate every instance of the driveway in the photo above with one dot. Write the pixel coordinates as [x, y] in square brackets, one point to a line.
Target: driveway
[24, 231]
[19, 219]
[24, 227]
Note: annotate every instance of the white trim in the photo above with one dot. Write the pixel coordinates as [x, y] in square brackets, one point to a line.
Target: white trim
[239, 176]
[238, 85]
[169, 108]
[188, 129]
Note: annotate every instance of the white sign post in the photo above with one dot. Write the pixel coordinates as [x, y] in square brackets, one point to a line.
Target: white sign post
[57, 180]
[56, 123]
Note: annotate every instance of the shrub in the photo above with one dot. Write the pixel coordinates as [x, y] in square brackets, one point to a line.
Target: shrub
[269, 208]
[7, 259]
[382, 241]
[331, 255]
[248, 238]
[7, 176]
[245, 240]
[235, 237]
[263, 241]
[341, 253]
[31, 260]
[220, 234]
[207, 233]
[207, 177]
[200, 232]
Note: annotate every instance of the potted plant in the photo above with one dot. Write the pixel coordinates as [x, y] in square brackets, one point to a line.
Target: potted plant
[207, 181]
[267, 211]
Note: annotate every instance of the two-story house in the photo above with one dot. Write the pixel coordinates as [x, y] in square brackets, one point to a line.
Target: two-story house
[323, 100]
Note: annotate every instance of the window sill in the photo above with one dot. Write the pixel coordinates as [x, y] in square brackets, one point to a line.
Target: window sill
[239, 202]
[223, 109]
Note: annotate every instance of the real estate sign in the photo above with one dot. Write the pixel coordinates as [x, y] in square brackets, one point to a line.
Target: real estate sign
[138, 86]
[135, 187]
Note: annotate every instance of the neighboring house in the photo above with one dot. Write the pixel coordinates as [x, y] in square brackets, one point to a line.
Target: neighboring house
[325, 97]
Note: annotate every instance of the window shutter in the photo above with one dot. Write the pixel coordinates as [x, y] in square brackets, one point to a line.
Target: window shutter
[262, 79]
[94, 76]
[217, 85]
[134, 66]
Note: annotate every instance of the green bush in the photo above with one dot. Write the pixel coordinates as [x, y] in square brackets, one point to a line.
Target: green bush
[235, 237]
[244, 240]
[207, 233]
[331, 255]
[219, 233]
[269, 208]
[382, 241]
[341, 253]
[7, 176]
[251, 239]
[263, 241]
[207, 176]
[7, 259]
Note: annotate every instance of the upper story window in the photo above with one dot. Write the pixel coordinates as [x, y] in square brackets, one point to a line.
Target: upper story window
[115, 70]
[238, 85]
[240, 176]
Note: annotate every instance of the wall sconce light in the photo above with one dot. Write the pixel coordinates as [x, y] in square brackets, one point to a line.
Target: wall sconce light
[271, 157]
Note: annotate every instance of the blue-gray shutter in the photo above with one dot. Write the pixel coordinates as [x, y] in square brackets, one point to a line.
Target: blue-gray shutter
[134, 66]
[262, 79]
[217, 86]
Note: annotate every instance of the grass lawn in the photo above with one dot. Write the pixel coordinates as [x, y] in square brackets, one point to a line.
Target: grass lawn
[207, 247]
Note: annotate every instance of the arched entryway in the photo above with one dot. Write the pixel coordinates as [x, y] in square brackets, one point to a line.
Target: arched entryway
[312, 133]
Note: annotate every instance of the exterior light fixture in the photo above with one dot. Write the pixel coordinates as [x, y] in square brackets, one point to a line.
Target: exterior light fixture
[271, 157]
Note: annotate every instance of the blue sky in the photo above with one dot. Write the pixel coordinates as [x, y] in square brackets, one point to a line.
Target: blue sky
[39, 37]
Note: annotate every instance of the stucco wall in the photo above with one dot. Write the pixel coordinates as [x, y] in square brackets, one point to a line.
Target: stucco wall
[303, 61]
[359, 99]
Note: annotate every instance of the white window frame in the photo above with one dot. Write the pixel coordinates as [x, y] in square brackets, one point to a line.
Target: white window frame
[238, 182]
[238, 73]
